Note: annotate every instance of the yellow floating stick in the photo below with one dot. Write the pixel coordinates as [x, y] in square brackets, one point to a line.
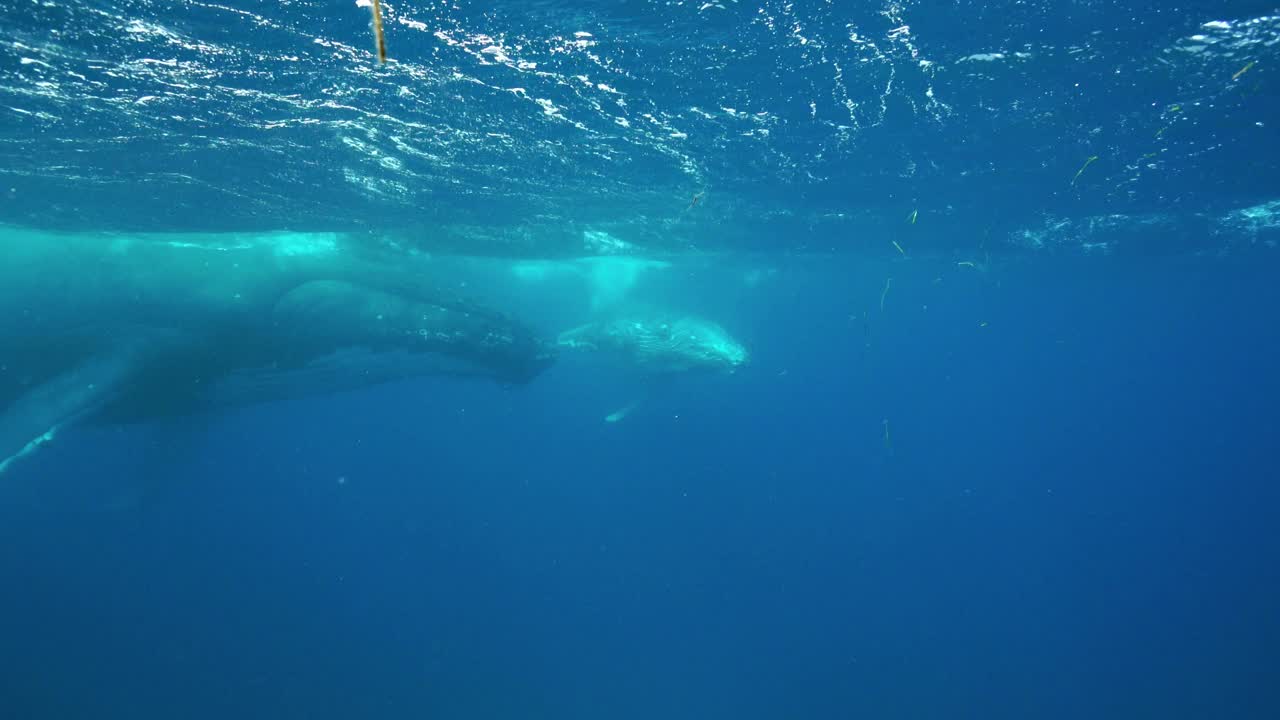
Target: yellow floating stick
[1086, 164]
[1243, 70]
[377, 31]
[900, 250]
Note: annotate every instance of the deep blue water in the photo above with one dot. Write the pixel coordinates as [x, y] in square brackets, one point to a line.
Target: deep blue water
[1022, 464]
[1074, 516]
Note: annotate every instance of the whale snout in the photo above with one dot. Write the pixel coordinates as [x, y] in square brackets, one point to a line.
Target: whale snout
[730, 355]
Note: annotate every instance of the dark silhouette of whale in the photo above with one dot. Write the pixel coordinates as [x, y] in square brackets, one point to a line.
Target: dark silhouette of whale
[126, 329]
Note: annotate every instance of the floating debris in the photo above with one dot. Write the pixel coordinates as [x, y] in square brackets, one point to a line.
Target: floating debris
[900, 250]
[885, 294]
[912, 217]
[693, 202]
[377, 31]
[1243, 70]
[1080, 172]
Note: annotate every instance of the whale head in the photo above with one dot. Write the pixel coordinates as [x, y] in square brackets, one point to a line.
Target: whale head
[706, 345]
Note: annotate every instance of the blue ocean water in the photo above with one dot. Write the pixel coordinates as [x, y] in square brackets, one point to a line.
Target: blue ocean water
[1005, 446]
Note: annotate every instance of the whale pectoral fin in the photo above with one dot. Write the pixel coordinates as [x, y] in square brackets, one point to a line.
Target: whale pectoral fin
[621, 413]
[35, 417]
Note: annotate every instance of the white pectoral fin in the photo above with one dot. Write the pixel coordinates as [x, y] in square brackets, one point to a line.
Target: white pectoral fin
[35, 417]
[27, 449]
[621, 414]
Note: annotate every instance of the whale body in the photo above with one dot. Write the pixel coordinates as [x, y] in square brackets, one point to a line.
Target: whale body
[660, 343]
[128, 329]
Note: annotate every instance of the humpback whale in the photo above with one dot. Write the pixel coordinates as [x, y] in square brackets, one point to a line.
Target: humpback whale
[659, 343]
[118, 329]
[658, 347]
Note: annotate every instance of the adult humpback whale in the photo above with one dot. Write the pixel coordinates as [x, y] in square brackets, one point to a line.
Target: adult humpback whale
[121, 329]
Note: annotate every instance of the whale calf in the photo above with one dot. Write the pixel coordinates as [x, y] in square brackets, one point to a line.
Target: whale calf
[659, 343]
[103, 329]
[656, 348]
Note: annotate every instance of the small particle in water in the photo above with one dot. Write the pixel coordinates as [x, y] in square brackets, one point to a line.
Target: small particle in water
[342, 479]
